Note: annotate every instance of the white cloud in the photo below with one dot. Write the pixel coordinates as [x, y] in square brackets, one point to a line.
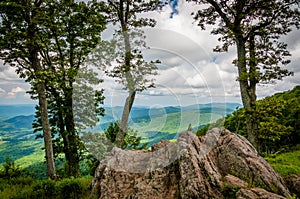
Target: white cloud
[7, 73]
[190, 71]
[17, 90]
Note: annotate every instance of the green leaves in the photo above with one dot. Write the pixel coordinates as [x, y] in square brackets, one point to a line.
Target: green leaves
[277, 118]
[265, 20]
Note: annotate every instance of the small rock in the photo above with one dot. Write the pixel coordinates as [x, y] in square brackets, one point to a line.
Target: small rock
[255, 193]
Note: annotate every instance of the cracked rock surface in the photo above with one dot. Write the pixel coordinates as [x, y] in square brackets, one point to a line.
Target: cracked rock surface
[219, 165]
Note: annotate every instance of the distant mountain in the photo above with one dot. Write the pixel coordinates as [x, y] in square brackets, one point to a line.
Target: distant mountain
[153, 124]
[9, 111]
[20, 122]
[17, 138]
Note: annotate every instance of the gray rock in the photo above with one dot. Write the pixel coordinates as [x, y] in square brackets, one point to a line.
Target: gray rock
[193, 167]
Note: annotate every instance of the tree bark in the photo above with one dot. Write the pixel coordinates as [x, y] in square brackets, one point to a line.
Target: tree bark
[41, 90]
[124, 121]
[247, 83]
[123, 17]
[252, 125]
[72, 156]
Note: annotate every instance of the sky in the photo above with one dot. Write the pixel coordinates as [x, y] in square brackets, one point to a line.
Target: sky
[189, 73]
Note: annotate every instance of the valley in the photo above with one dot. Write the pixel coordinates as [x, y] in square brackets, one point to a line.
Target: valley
[18, 140]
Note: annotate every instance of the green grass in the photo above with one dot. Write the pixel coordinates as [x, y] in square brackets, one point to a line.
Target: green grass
[286, 163]
[31, 188]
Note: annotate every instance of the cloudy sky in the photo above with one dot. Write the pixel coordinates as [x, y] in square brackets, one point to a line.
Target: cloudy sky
[190, 72]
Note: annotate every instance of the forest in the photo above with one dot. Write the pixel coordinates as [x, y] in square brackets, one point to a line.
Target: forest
[56, 46]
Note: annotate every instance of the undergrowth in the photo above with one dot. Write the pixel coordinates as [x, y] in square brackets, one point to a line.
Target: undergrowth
[286, 163]
[27, 187]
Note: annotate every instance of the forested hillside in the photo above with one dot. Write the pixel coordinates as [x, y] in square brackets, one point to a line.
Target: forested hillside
[278, 118]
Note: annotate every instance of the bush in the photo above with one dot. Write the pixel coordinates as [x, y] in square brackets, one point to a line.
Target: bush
[70, 188]
[131, 140]
[10, 170]
[19, 188]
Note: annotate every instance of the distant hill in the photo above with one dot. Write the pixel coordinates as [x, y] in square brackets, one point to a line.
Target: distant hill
[153, 124]
[17, 138]
[20, 122]
[9, 111]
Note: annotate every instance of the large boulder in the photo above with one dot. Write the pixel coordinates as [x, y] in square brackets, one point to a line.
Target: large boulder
[219, 165]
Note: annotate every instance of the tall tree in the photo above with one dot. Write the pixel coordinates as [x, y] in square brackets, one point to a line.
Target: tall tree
[20, 47]
[255, 28]
[73, 29]
[125, 51]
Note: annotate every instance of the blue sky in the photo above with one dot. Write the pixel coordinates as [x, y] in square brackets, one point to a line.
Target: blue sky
[190, 72]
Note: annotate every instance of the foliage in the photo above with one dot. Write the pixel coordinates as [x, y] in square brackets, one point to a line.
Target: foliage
[263, 20]
[122, 57]
[20, 47]
[10, 170]
[202, 131]
[29, 188]
[286, 163]
[131, 140]
[255, 28]
[73, 30]
[47, 42]
[277, 118]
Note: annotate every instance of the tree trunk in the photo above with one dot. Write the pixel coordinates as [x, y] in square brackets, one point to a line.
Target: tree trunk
[72, 156]
[252, 124]
[125, 116]
[247, 89]
[123, 17]
[41, 90]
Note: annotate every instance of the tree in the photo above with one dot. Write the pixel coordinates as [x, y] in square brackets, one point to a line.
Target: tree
[125, 51]
[20, 47]
[73, 30]
[277, 119]
[255, 28]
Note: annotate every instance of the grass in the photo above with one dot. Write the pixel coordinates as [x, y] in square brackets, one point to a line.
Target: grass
[27, 187]
[286, 163]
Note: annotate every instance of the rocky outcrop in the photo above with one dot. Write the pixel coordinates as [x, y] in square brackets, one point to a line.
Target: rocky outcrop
[218, 165]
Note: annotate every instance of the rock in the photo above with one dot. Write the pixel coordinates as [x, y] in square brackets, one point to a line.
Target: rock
[159, 145]
[256, 193]
[233, 181]
[293, 183]
[211, 166]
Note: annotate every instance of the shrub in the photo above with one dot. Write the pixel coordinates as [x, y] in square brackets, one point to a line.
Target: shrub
[70, 188]
[10, 170]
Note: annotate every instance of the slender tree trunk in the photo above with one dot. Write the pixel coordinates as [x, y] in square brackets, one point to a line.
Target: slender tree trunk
[247, 89]
[125, 116]
[253, 124]
[43, 104]
[41, 90]
[123, 17]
